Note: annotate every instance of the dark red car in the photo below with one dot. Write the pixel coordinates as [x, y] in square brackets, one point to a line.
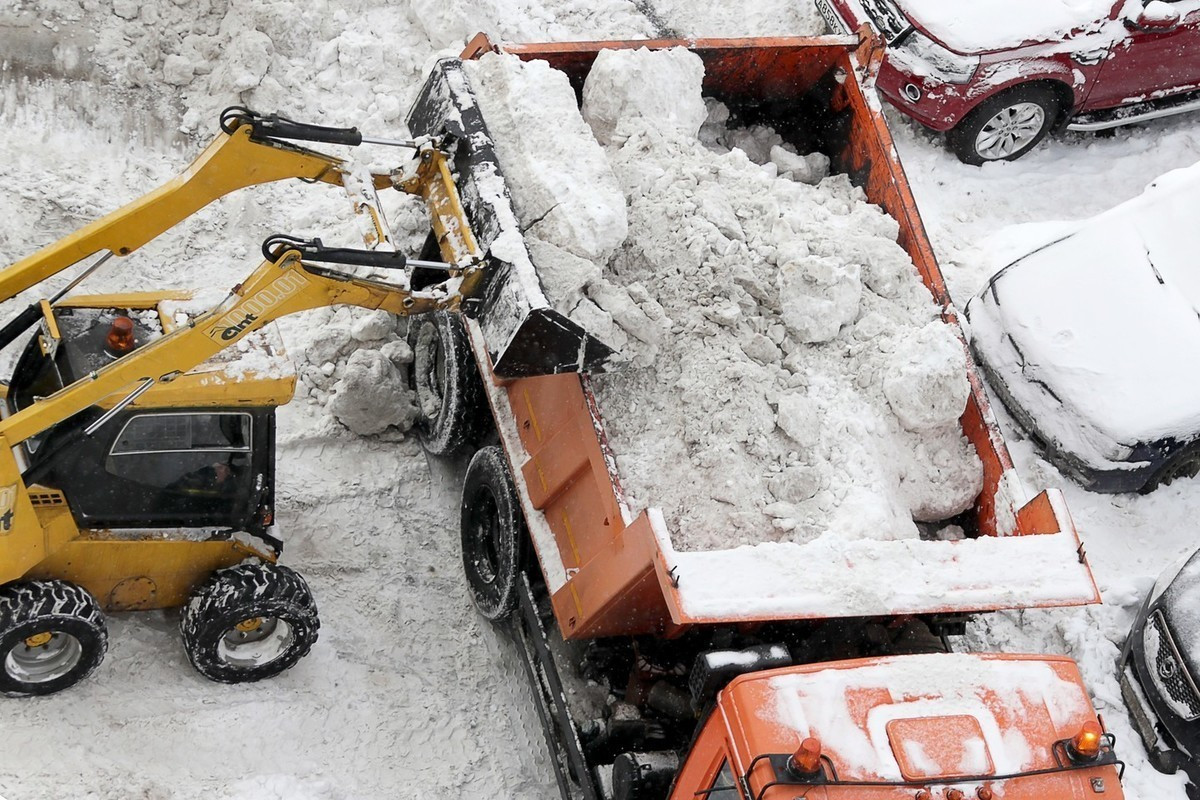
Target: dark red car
[998, 75]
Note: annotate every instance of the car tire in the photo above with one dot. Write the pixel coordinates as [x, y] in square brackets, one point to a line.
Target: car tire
[52, 635]
[1184, 463]
[493, 534]
[1006, 126]
[451, 404]
[249, 622]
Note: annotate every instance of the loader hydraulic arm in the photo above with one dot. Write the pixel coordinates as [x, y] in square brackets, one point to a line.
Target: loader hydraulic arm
[284, 284]
[232, 161]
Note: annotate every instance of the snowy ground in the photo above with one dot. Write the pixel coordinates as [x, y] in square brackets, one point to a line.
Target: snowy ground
[407, 692]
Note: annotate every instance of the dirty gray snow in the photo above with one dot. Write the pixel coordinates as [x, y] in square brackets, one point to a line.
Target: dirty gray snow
[790, 374]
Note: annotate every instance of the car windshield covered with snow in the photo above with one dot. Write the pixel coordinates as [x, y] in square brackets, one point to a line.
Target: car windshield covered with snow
[1086, 340]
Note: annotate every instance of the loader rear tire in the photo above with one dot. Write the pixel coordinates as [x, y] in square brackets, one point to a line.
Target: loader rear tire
[493, 534]
[249, 622]
[451, 404]
[52, 635]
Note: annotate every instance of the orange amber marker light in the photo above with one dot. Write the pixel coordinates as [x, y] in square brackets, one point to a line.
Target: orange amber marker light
[923, 795]
[120, 336]
[985, 793]
[807, 758]
[1086, 744]
[955, 794]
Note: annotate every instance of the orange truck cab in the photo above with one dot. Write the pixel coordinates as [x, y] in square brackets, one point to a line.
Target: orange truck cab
[951, 726]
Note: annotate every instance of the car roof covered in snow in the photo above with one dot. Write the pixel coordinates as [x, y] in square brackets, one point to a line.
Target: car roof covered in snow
[1107, 320]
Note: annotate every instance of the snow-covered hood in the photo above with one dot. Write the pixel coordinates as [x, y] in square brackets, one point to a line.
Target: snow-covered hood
[977, 26]
[1108, 318]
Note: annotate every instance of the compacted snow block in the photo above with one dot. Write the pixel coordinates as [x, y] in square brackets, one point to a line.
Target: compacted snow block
[926, 383]
[625, 87]
[372, 396]
[562, 188]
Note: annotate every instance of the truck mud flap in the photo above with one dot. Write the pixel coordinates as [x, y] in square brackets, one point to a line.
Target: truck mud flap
[575, 778]
[524, 335]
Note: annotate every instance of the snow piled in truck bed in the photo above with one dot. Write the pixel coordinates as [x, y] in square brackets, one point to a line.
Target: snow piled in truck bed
[803, 383]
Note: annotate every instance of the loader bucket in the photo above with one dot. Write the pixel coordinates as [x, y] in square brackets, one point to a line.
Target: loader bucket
[524, 335]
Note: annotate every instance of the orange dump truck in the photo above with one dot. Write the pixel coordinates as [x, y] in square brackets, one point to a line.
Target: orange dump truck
[750, 673]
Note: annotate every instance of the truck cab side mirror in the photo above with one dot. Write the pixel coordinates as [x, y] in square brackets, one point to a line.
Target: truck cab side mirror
[1155, 17]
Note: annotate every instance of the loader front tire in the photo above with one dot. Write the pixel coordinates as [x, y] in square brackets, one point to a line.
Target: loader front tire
[249, 622]
[493, 534]
[452, 409]
[52, 635]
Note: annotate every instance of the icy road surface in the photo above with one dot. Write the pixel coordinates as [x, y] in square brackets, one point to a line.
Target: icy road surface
[407, 693]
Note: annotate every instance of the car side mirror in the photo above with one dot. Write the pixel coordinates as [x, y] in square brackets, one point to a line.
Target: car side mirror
[1155, 17]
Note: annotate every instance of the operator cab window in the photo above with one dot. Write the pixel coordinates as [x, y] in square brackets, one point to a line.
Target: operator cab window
[724, 786]
[175, 468]
[192, 455]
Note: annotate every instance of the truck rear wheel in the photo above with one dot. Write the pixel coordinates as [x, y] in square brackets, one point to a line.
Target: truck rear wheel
[493, 534]
[450, 395]
[249, 622]
[52, 635]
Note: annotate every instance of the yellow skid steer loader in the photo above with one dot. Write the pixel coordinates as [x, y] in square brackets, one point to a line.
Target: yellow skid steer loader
[137, 469]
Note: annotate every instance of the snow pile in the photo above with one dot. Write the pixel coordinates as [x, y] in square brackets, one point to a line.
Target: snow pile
[790, 308]
[566, 198]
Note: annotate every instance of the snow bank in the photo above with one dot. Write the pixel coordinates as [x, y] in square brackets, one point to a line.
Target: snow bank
[787, 308]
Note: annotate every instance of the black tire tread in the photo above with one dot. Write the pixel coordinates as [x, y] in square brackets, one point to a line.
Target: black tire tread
[488, 471]
[53, 601]
[463, 418]
[232, 594]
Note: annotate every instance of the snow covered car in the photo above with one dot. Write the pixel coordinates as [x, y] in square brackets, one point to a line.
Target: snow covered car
[1090, 340]
[1158, 663]
[998, 75]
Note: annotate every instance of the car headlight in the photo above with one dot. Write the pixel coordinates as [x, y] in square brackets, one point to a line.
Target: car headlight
[923, 56]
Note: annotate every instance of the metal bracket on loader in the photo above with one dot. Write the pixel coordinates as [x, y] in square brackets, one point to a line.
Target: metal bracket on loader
[524, 335]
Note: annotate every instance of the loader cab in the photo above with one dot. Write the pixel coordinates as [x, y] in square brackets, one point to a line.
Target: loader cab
[198, 452]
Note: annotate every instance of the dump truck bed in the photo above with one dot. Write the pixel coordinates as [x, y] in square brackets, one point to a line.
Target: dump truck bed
[610, 572]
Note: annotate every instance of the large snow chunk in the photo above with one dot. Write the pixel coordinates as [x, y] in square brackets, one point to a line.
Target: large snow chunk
[817, 295]
[563, 190]
[372, 395]
[926, 382]
[660, 87]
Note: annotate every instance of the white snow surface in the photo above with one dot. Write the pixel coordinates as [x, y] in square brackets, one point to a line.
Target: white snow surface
[982, 25]
[806, 386]
[1103, 318]
[407, 688]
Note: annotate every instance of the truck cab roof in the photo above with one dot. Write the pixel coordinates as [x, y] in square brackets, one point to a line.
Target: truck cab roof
[955, 720]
